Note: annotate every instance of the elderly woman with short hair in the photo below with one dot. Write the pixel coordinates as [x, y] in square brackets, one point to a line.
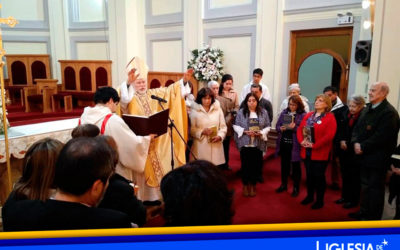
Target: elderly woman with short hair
[349, 169]
[294, 89]
[315, 134]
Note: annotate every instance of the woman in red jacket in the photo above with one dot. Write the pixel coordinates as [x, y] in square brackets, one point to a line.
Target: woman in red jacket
[315, 134]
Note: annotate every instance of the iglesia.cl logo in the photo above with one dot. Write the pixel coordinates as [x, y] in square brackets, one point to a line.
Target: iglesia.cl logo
[351, 246]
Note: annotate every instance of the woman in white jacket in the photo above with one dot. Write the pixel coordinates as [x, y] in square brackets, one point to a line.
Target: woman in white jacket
[206, 118]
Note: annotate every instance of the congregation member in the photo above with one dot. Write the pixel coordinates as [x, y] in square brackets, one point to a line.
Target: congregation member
[83, 169]
[350, 171]
[120, 194]
[315, 134]
[374, 138]
[251, 130]
[214, 86]
[37, 180]
[294, 89]
[265, 104]
[340, 110]
[257, 76]
[257, 90]
[196, 194]
[229, 101]
[288, 147]
[132, 149]
[208, 128]
[136, 99]
[87, 130]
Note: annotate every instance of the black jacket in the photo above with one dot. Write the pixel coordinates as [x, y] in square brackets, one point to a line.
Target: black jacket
[377, 131]
[35, 215]
[341, 118]
[344, 131]
[120, 196]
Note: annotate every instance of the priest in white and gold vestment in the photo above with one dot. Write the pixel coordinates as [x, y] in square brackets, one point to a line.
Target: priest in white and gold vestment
[136, 100]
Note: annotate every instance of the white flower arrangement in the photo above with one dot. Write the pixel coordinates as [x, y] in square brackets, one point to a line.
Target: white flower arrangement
[207, 64]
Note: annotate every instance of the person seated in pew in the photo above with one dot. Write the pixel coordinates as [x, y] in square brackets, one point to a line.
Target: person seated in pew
[83, 169]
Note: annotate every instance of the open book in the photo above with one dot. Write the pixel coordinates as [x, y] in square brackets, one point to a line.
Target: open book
[287, 120]
[143, 125]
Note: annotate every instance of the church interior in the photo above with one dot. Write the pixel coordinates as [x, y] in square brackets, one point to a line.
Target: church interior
[61, 51]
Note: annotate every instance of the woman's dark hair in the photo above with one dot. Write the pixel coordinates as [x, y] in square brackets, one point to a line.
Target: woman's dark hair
[88, 130]
[38, 170]
[296, 99]
[246, 111]
[203, 93]
[225, 78]
[196, 194]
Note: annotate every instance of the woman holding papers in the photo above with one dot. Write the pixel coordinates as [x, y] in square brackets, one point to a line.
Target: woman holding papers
[315, 134]
[208, 128]
[251, 129]
[287, 144]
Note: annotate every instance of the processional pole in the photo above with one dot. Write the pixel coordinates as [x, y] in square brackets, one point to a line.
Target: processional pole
[11, 22]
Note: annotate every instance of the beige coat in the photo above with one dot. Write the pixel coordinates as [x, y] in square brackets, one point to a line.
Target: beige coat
[200, 119]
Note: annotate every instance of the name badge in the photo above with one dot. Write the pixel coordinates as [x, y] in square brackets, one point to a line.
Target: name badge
[319, 122]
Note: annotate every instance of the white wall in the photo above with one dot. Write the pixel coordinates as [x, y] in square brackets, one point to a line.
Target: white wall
[31, 10]
[311, 4]
[162, 7]
[385, 64]
[167, 56]
[237, 58]
[92, 51]
[214, 4]
[91, 10]
[25, 48]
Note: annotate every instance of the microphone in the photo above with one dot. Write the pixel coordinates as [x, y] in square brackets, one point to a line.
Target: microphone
[158, 98]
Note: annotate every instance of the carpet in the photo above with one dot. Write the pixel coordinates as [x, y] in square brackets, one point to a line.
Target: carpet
[270, 207]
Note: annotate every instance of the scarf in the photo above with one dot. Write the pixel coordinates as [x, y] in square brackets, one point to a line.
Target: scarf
[353, 119]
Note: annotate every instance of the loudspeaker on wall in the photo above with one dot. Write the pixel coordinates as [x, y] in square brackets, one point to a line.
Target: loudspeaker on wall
[363, 52]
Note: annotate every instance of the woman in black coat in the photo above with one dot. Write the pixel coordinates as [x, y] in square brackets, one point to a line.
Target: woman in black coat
[349, 169]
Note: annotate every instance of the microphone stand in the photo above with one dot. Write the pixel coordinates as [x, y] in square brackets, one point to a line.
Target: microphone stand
[172, 125]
